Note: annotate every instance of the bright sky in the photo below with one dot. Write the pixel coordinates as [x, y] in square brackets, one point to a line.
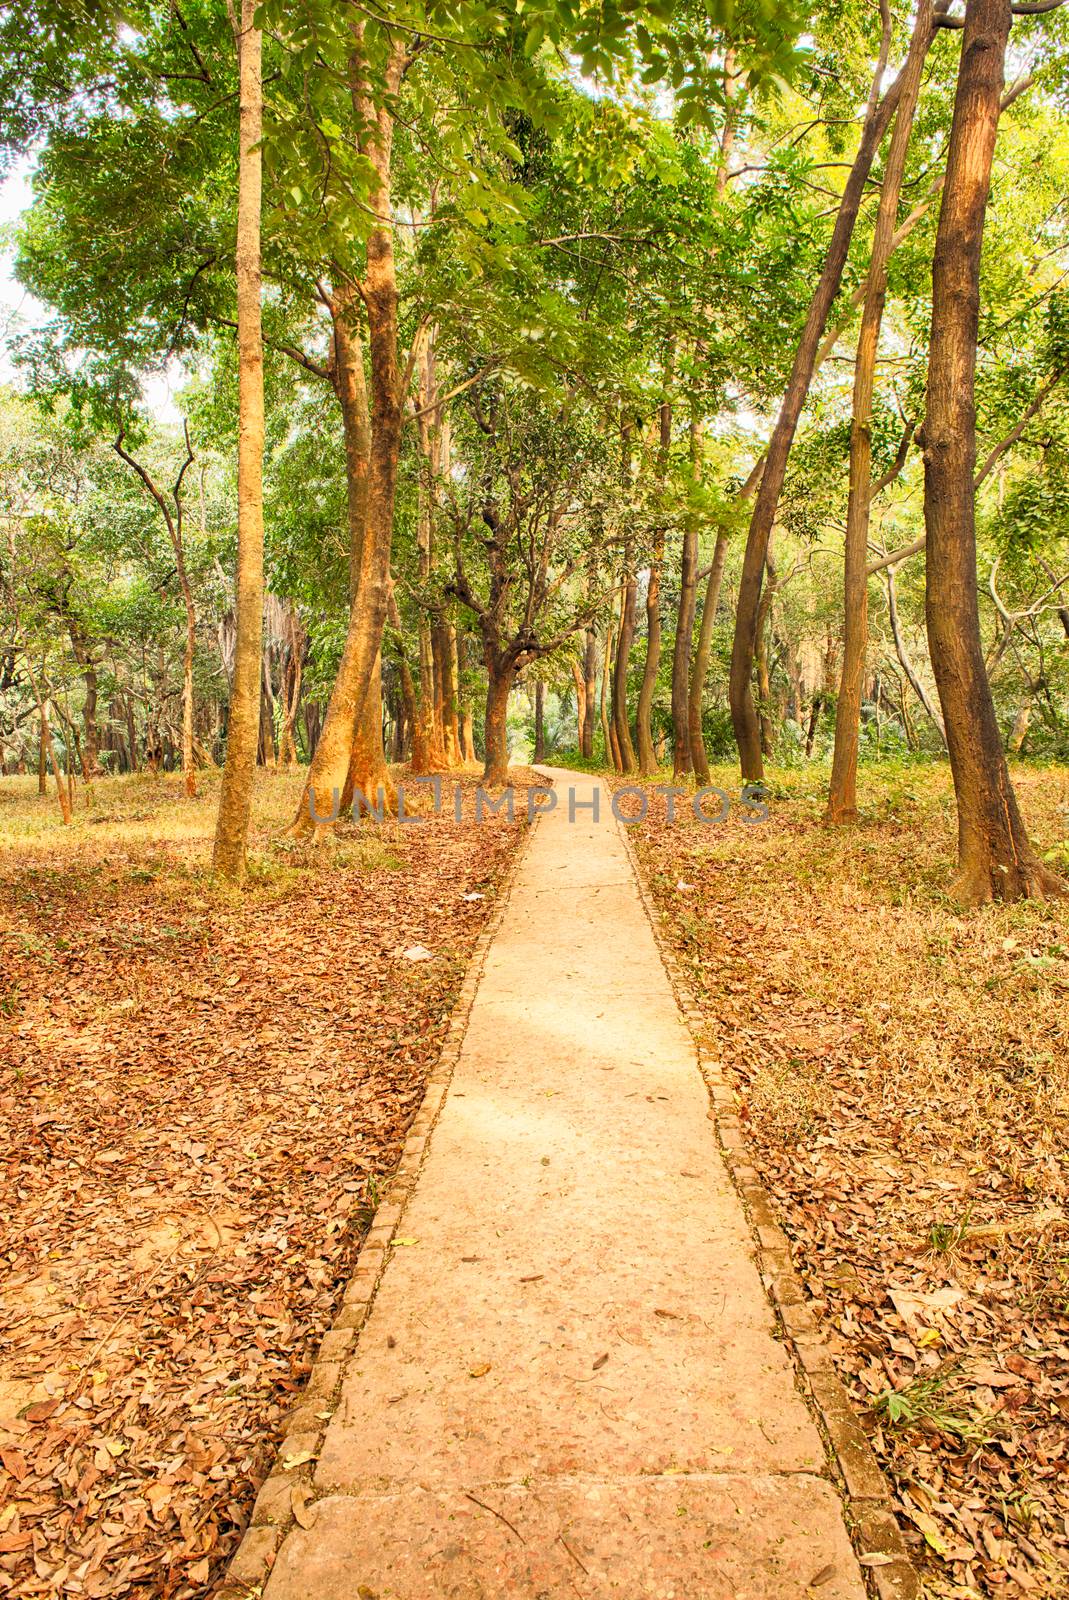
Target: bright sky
[16, 306]
[20, 311]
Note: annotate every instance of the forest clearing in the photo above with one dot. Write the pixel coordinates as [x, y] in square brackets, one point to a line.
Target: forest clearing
[534, 799]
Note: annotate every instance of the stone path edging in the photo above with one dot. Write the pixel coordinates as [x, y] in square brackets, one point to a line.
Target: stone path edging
[871, 1517]
[276, 1507]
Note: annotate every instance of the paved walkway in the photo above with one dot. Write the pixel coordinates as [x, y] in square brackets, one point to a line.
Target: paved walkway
[569, 1382]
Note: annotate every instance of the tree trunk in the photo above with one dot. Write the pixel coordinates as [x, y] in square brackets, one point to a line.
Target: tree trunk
[700, 667]
[540, 722]
[189, 771]
[454, 755]
[465, 720]
[580, 700]
[131, 732]
[63, 792]
[764, 623]
[814, 722]
[740, 689]
[429, 753]
[368, 771]
[995, 858]
[292, 674]
[442, 690]
[48, 750]
[91, 744]
[647, 756]
[243, 724]
[842, 792]
[590, 682]
[499, 680]
[1019, 731]
[330, 764]
[621, 729]
[611, 757]
[408, 688]
[42, 756]
[688, 596]
[905, 661]
[267, 757]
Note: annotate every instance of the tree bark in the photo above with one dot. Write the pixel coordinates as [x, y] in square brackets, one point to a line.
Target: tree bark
[740, 689]
[1019, 731]
[243, 723]
[330, 764]
[764, 620]
[688, 597]
[590, 682]
[625, 637]
[995, 858]
[454, 754]
[266, 754]
[647, 756]
[499, 680]
[842, 792]
[189, 771]
[292, 674]
[131, 731]
[814, 722]
[580, 701]
[625, 752]
[611, 758]
[368, 771]
[540, 721]
[48, 754]
[700, 666]
[83, 654]
[442, 689]
[905, 660]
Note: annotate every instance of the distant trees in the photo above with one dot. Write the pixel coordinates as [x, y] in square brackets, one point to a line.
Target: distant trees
[543, 387]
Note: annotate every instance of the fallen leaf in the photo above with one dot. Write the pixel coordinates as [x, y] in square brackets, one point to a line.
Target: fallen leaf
[302, 1506]
[15, 1462]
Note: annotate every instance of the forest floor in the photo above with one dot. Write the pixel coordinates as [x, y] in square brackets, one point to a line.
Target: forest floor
[201, 1093]
[903, 1070]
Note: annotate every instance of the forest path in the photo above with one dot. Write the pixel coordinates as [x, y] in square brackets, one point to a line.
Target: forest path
[568, 1383]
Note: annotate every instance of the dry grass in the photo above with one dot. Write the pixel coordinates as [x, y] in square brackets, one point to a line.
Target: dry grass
[903, 1069]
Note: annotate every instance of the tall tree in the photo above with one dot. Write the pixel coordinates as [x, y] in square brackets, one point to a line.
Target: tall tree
[243, 725]
[743, 710]
[647, 756]
[688, 599]
[995, 858]
[842, 796]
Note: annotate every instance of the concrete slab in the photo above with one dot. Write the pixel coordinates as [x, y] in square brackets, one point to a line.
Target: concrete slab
[717, 1538]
